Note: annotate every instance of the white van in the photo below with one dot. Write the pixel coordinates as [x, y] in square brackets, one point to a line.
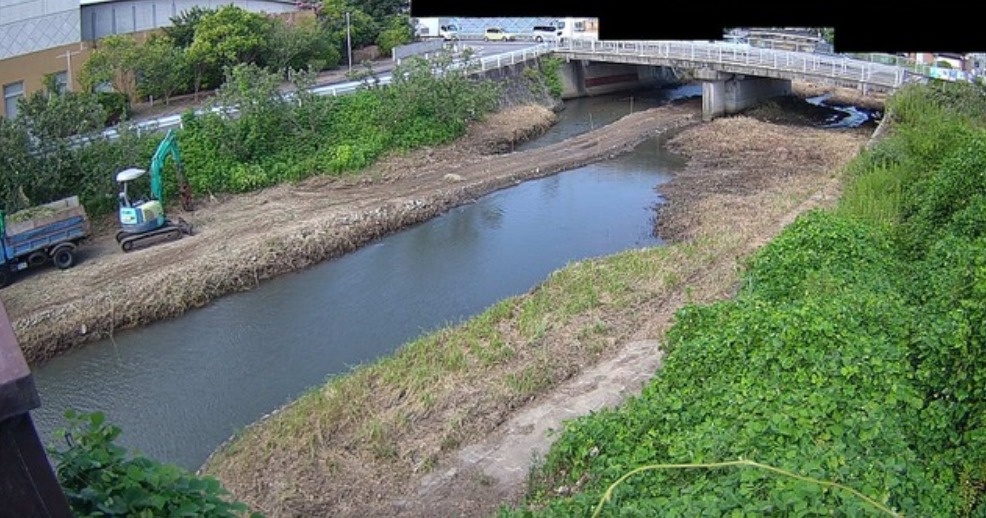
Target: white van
[542, 33]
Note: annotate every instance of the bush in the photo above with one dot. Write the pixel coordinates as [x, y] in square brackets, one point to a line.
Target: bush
[117, 106]
[397, 32]
[854, 354]
[100, 479]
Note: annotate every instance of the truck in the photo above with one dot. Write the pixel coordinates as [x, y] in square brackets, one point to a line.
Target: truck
[38, 235]
[577, 28]
[431, 28]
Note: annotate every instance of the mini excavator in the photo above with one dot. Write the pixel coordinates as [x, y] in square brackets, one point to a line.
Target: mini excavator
[142, 222]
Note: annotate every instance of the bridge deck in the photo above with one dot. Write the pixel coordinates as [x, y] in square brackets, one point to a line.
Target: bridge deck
[743, 59]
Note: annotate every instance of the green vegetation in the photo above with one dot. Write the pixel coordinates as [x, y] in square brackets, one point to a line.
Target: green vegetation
[397, 32]
[853, 354]
[272, 138]
[193, 53]
[201, 44]
[547, 75]
[99, 478]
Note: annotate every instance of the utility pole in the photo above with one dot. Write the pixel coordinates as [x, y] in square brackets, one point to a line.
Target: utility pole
[349, 43]
[68, 58]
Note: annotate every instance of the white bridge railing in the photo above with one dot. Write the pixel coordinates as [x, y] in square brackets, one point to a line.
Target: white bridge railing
[732, 55]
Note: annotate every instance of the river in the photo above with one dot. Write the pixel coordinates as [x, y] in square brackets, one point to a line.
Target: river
[179, 388]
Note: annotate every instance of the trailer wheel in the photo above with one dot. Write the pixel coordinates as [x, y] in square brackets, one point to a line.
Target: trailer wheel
[64, 258]
[4, 276]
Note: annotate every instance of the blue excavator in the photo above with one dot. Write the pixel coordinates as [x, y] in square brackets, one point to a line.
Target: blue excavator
[142, 221]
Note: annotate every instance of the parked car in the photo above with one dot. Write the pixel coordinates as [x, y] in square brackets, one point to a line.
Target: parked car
[541, 33]
[498, 34]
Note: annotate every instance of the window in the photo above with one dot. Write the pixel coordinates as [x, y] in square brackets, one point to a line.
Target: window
[61, 82]
[11, 93]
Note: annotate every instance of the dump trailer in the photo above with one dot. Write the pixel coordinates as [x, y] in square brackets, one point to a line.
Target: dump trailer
[46, 233]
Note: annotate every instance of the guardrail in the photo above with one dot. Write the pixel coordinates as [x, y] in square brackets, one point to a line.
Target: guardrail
[899, 61]
[834, 67]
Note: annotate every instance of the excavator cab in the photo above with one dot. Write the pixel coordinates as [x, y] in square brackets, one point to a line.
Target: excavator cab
[137, 216]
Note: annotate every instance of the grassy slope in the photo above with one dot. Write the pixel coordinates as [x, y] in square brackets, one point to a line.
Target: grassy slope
[854, 354]
[381, 424]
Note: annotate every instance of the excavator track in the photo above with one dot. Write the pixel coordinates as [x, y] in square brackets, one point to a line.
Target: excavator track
[170, 231]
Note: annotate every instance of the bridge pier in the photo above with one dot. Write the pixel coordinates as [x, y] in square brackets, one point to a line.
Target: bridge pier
[726, 94]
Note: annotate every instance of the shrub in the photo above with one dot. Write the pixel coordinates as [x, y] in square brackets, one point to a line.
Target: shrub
[100, 479]
[117, 106]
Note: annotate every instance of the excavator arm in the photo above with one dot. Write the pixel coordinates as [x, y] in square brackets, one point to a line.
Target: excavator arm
[168, 146]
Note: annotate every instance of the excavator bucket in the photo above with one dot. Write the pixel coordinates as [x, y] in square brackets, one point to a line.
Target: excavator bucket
[184, 226]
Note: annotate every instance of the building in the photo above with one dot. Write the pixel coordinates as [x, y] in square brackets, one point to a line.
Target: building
[956, 61]
[41, 37]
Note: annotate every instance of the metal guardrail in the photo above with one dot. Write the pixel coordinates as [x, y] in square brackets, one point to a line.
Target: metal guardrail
[726, 54]
[899, 61]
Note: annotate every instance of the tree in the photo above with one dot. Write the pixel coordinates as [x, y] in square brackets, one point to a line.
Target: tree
[162, 69]
[430, 89]
[49, 115]
[114, 61]
[16, 164]
[182, 31]
[232, 35]
[398, 31]
[380, 9]
[363, 29]
[228, 36]
[300, 45]
[50, 119]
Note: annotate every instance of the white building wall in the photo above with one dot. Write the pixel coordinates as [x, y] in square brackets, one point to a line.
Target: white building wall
[31, 25]
[104, 19]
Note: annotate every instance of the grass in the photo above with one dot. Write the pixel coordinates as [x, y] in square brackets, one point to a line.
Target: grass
[444, 389]
[874, 198]
[387, 420]
[448, 380]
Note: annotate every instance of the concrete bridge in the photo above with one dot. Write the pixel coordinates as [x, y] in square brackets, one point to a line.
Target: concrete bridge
[733, 76]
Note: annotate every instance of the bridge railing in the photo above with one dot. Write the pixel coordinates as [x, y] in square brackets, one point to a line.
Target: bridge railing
[836, 67]
[898, 61]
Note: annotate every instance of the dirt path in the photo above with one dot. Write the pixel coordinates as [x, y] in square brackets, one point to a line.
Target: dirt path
[243, 240]
[480, 477]
[494, 471]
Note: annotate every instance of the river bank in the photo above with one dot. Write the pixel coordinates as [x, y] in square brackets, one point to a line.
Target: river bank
[241, 241]
[445, 426]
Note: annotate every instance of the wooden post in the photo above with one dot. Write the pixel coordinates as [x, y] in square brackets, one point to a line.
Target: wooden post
[28, 486]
